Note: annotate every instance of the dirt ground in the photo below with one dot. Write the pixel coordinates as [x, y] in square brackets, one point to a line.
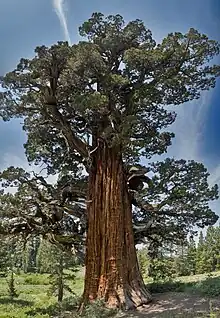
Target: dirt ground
[172, 305]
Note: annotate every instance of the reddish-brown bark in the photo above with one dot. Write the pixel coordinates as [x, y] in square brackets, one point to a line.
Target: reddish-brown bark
[112, 271]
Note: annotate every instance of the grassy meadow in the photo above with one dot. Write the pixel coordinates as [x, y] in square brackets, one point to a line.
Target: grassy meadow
[34, 301]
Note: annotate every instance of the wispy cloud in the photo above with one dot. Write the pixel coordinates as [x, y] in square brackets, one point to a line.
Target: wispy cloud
[11, 159]
[59, 9]
[215, 176]
[189, 128]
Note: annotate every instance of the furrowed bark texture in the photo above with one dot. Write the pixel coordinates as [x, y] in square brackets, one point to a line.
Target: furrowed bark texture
[112, 271]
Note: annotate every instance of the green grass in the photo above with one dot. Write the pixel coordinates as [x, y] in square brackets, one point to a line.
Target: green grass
[204, 285]
[196, 278]
[33, 300]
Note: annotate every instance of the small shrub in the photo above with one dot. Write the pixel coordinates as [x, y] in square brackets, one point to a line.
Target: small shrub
[209, 287]
[36, 279]
[11, 286]
[161, 269]
[162, 287]
[59, 281]
[70, 303]
[98, 310]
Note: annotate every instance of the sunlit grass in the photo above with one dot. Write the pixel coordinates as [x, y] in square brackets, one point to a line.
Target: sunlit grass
[196, 278]
[34, 301]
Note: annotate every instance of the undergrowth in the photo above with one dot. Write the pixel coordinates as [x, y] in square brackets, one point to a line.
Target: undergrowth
[33, 300]
[209, 287]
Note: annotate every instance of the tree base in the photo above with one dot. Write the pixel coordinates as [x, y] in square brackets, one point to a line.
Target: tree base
[131, 297]
[112, 271]
[129, 300]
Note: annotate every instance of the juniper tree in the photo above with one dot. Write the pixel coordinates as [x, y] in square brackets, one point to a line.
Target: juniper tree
[102, 104]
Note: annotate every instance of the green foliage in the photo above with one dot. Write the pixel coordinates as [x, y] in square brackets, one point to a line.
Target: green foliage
[36, 279]
[11, 249]
[201, 255]
[4, 256]
[180, 189]
[30, 254]
[11, 286]
[182, 193]
[33, 300]
[204, 286]
[161, 269]
[190, 258]
[56, 261]
[115, 84]
[134, 78]
[209, 287]
[167, 286]
[58, 281]
[49, 256]
[207, 259]
[143, 261]
[98, 310]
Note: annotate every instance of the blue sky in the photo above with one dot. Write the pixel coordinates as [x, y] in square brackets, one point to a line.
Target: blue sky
[26, 24]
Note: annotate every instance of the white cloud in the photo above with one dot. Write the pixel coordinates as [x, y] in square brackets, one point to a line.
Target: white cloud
[11, 159]
[189, 138]
[59, 9]
[189, 134]
[189, 128]
[215, 175]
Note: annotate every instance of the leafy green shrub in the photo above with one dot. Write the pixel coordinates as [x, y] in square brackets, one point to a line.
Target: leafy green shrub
[70, 303]
[59, 283]
[11, 286]
[162, 287]
[143, 261]
[36, 279]
[161, 269]
[209, 287]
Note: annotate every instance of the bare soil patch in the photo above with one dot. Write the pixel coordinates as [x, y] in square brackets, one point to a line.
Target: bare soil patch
[173, 304]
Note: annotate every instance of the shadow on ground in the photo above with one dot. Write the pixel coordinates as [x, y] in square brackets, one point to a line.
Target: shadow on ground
[18, 302]
[180, 304]
[166, 305]
[182, 299]
[170, 305]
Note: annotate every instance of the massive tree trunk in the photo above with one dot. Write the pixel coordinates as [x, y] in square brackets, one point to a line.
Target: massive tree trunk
[112, 271]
